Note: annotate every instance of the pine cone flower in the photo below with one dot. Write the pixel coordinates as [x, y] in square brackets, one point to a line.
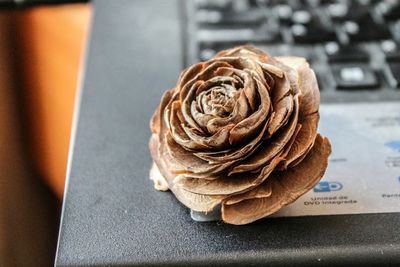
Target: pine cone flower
[239, 132]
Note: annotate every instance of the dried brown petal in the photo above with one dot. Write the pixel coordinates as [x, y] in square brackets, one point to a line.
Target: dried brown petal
[239, 131]
[227, 184]
[233, 155]
[286, 187]
[269, 150]
[262, 191]
[304, 138]
[196, 202]
[189, 163]
[307, 82]
[222, 185]
[161, 174]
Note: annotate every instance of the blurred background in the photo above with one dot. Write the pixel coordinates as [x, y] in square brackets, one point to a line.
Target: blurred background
[41, 52]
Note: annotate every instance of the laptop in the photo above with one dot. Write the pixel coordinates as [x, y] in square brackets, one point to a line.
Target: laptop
[353, 46]
[113, 216]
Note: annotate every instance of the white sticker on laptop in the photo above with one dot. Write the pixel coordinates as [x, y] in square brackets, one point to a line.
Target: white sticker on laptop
[363, 175]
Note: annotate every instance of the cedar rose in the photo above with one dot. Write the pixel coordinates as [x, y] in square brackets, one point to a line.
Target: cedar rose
[239, 133]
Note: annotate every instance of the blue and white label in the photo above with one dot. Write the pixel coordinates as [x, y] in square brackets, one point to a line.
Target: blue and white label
[395, 145]
[324, 186]
[363, 174]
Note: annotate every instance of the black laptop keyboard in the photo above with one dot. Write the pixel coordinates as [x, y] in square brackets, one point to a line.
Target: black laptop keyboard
[354, 46]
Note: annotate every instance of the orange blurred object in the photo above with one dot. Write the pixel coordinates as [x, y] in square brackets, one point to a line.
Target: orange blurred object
[51, 42]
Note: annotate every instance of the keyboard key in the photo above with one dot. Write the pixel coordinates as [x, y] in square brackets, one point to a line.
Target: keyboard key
[317, 3]
[396, 30]
[390, 10]
[338, 11]
[351, 27]
[238, 35]
[391, 50]
[348, 77]
[301, 17]
[302, 51]
[336, 53]
[226, 35]
[240, 13]
[395, 69]
[213, 4]
[252, 17]
[284, 13]
[208, 16]
[208, 49]
[356, 10]
[365, 29]
[324, 2]
[312, 34]
[207, 53]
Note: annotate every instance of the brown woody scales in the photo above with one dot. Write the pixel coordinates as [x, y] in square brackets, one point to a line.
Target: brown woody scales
[240, 131]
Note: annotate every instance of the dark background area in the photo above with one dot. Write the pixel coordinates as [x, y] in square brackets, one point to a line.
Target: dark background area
[39, 65]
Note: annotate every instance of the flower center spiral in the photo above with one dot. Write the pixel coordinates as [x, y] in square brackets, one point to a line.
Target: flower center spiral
[218, 100]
